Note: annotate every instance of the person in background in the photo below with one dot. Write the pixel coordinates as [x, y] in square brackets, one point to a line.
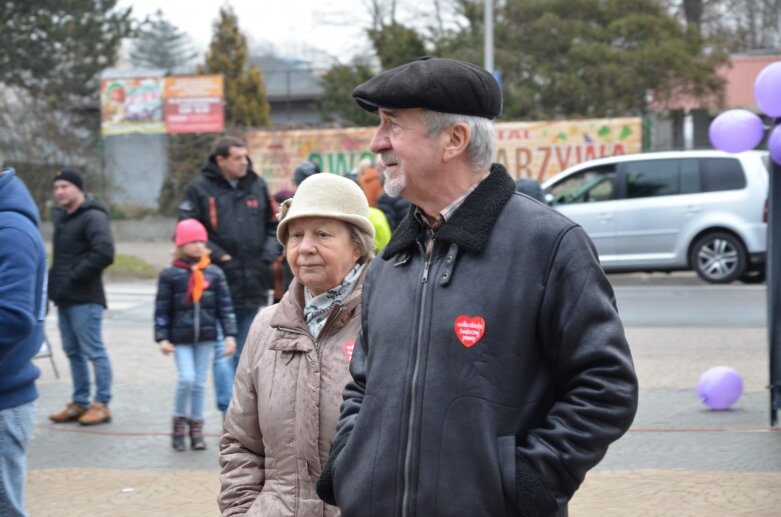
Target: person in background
[369, 180]
[22, 313]
[382, 231]
[531, 188]
[232, 203]
[290, 377]
[282, 273]
[192, 300]
[82, 248]
[303, 171]
[491, 371]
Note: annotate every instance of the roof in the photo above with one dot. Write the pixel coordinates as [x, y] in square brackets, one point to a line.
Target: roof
[289, 79]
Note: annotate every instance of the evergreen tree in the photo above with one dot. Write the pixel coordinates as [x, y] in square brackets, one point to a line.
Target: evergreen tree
[56, 50]
[593, 58]
[338, 104]
[396, 44]
[245, 90]
[52, 55]
[160, 44]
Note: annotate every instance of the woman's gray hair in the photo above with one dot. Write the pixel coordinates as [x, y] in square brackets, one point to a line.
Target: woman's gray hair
[480, 149]
[364, 242]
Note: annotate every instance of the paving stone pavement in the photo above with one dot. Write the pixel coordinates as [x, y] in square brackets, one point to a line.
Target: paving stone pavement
[678, 458]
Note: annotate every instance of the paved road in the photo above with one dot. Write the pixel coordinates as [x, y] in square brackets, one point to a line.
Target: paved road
[734, 305]
[678, 458]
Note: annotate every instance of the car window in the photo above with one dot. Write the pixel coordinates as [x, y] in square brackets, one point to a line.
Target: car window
[690, 176]
[650, 178]
[587, 186]
[722, 174]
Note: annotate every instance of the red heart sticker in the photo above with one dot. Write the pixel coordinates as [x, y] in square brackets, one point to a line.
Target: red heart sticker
[469, 330]
[348, 349]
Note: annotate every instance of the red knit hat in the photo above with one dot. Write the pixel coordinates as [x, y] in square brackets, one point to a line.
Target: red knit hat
[190, 230]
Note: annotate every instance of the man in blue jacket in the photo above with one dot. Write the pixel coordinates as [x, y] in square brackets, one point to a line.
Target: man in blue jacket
[491, 371]
[22, 311]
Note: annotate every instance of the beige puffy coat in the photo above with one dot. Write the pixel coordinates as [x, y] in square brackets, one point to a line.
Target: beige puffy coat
[282, 418]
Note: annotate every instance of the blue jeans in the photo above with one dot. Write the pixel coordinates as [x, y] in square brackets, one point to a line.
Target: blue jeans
[225, 367]
[223, 373]
[244, 318]
[192, 363]
[80, 330]
[16, 429]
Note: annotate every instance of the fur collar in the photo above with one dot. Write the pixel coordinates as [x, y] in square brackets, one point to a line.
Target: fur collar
[471, 224]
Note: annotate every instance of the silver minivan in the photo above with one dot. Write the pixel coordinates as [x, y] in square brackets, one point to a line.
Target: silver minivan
[666, 211]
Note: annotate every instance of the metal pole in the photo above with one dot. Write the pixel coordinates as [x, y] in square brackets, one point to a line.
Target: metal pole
[488, 51]
[774, 286]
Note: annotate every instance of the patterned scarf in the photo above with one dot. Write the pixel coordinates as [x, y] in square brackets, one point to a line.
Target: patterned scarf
[197, 282]
[318, 308]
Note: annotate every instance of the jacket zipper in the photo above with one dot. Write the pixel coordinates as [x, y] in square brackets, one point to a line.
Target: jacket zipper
[413, 390]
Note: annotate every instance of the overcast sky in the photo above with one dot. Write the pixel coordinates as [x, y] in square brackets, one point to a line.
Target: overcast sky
[335, 26]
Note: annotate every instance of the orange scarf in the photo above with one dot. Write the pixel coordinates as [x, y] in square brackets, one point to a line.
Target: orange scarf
[197, 282]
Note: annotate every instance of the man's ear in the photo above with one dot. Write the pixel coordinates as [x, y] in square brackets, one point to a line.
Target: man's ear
[458, 138]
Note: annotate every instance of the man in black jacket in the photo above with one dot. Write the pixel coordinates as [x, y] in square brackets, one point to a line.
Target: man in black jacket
[233, 203]
[82, 248]
[491, 371]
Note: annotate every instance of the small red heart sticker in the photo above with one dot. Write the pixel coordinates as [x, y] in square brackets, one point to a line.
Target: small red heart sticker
[469, 330]
[348, 349]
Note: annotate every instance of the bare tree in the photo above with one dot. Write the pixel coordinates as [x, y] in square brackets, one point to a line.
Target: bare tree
[744, 25]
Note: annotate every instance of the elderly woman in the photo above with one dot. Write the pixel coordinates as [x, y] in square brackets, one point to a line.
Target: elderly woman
[289, 381]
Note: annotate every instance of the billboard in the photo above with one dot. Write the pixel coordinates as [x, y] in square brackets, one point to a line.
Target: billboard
[155, 105]
[536, 150]
[132, 105]
[194, 104]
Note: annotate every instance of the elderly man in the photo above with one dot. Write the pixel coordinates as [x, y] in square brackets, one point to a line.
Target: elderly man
[491, 371]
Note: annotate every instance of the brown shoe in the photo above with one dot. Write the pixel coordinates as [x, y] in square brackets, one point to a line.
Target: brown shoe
[71, 413]
[99, 413]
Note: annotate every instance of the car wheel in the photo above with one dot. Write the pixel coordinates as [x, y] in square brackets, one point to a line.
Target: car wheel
[718, 258]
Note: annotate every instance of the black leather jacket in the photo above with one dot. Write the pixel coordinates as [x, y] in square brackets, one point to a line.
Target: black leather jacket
[487, 381]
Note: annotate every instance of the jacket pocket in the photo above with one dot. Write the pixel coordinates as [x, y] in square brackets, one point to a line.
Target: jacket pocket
[353, 470]
[475, 473]
[505, 446]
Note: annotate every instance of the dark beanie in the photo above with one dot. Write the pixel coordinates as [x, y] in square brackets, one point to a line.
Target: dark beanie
[71, 176]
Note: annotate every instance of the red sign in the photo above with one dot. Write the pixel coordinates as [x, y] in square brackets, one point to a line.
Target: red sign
[194, 104]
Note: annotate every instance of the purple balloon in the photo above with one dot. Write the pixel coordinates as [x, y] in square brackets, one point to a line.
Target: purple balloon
[774, 144]
[767, 89]
[720, 387]
[736, 131]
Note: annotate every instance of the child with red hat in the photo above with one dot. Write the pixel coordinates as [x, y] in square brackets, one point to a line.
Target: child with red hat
[192, 302]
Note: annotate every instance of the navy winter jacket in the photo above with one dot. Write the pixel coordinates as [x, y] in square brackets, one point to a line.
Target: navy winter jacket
[177, 318]
[22, 291]
[487, 380]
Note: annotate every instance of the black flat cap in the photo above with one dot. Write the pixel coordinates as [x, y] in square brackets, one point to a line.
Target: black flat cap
[436, 84]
